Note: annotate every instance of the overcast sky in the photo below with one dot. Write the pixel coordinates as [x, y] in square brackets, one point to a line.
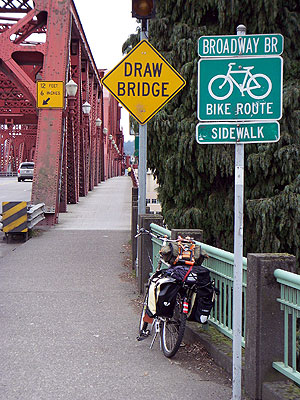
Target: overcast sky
[107, 24]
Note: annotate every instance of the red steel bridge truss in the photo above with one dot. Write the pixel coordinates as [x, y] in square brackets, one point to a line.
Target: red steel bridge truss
[44, 40]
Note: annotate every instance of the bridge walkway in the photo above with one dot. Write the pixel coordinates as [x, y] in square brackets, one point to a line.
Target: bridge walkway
[68, 324]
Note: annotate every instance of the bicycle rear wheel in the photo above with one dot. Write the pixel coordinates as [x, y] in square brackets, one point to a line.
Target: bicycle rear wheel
[173, 330]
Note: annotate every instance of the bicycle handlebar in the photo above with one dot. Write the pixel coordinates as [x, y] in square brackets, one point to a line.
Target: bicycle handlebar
[179, 239]
[144, 231]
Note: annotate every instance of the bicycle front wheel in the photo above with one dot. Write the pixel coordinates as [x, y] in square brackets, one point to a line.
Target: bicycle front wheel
[173, 330]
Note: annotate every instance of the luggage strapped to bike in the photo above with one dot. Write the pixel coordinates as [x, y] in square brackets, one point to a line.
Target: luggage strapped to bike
[186, 252]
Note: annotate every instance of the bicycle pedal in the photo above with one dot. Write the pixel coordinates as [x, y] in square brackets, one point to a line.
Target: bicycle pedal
[143, 335]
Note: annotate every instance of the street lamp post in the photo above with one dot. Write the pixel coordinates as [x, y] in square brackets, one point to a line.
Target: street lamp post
[98, 123]
[86, 108]
[71, 90]
[105, 166]
[110, 137]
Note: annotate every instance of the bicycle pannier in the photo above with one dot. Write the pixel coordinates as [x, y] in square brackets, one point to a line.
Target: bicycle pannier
[198, 274]
[162, 297]
[203, 302]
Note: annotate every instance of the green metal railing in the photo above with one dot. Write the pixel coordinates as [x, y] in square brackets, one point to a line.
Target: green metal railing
[220, 263]
[290, 304]
[156, 243]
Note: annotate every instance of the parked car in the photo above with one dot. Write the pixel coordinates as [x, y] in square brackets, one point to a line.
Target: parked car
[25, 171]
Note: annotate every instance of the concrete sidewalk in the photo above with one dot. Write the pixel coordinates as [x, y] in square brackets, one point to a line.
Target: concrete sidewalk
[68, 326]
[107, 207]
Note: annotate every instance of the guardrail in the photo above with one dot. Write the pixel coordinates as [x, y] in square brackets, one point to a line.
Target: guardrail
[18, 217]
[8, 173]
[220, 264]
[35, 214]
[290, 305]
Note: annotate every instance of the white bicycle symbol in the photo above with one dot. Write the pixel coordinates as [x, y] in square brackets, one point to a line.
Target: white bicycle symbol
[250, 84]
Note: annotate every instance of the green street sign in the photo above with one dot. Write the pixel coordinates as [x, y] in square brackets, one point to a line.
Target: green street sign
[243, 88]
[246, 45]
[136, 146]
[235, 132]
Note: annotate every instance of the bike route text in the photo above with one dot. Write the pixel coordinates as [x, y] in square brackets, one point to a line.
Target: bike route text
[253, 108]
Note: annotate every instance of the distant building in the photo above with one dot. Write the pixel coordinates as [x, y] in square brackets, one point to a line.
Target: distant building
[151, 194]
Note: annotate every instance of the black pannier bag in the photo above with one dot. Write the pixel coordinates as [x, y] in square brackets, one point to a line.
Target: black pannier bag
[203, 302]
[166, 293]
[162, 297]
[198, 274]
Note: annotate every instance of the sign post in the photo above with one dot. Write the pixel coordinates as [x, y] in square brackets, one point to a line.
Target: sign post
[238, 264]
[142, 190]
[241, 98]
[143, 82]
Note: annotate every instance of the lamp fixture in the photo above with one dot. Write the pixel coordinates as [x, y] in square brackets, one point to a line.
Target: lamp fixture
[71, 88]
[86, 108]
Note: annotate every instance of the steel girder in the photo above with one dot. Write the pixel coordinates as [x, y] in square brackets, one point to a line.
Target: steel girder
[47, 43]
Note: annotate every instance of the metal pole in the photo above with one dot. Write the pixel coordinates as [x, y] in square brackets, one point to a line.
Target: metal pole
[142, 169]
[238, 264]
[142, 159]
[142, 146]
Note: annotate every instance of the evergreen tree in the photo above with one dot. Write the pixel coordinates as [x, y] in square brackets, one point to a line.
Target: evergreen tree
[197, 181]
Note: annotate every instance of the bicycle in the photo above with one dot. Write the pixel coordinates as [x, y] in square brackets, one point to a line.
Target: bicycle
[171, 329]
[250, 84]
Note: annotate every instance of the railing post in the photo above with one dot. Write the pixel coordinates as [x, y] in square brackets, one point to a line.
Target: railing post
[264, 321]
[145, 248]
[134, 219]
[196, 234]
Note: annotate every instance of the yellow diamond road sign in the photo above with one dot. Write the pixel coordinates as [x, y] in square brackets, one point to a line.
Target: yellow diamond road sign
[143, 82]
[50, 94]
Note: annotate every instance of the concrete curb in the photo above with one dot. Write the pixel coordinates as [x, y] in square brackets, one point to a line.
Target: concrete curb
[220, 349]
[282, 390]
[218, 346]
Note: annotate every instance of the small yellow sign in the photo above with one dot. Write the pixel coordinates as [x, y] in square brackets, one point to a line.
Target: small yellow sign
[143, 82]
[50, 94]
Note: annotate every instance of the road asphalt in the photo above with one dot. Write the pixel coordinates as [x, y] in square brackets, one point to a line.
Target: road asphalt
[68, 324]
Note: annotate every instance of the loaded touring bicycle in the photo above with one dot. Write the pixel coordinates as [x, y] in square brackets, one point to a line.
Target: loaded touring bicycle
[179, 290]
